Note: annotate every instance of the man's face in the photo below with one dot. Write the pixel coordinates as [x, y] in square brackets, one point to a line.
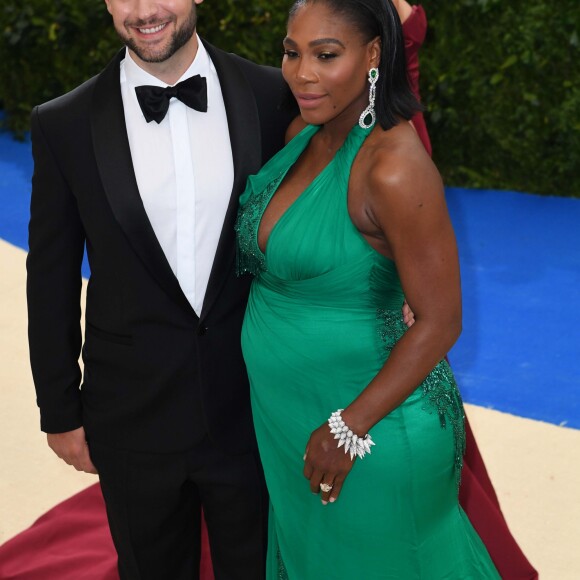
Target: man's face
[154, 30]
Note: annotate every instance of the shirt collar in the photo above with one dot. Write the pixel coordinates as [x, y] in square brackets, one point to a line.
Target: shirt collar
[136, 76]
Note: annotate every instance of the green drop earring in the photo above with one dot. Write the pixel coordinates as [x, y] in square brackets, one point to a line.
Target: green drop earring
[370, 110]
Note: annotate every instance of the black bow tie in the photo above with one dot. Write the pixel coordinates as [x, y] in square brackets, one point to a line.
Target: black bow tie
[154, 101]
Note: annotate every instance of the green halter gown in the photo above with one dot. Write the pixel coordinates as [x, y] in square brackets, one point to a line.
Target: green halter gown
[323, 314]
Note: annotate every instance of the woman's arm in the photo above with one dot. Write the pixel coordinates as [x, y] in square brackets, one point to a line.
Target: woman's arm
[405, 204]
[403, 8]
[401, 197]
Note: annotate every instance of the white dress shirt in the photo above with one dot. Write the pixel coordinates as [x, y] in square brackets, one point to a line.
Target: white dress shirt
[184, 170]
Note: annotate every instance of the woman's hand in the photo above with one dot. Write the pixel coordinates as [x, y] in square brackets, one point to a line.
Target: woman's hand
[326, 464]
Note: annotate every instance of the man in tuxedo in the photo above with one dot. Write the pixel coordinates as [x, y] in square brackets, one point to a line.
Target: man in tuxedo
[148, 178]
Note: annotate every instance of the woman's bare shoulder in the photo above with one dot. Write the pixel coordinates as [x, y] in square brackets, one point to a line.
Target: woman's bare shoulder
[392, 179]
[395, 163]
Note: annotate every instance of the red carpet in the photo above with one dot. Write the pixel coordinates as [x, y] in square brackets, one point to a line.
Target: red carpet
[70, 542]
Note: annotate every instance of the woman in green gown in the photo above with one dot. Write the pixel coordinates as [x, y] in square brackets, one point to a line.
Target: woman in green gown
[339, 228]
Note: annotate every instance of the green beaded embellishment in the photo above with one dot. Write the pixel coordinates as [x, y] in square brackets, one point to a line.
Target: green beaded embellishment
[250, 258]
[439, 387]
[282, 573]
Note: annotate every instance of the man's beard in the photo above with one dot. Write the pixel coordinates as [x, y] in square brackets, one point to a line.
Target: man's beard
[180, 38]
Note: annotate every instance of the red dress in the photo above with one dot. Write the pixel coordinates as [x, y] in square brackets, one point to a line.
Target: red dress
[72, 540]
[414, 31]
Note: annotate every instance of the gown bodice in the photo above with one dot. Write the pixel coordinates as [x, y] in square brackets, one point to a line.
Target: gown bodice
[314, 247]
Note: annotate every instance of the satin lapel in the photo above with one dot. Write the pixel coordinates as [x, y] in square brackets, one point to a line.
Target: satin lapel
[245, 137]
[113, 157]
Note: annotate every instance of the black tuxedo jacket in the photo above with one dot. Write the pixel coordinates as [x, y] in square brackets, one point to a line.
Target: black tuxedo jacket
[157, 377]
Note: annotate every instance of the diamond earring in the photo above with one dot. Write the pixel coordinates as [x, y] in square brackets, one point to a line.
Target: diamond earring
[370, 110]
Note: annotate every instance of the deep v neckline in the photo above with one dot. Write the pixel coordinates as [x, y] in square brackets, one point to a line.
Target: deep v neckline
[289, 210]
[276, 182]
[262, 187]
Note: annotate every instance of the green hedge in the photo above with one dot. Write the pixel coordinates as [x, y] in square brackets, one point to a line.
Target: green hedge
[48, 47]
[501, 81]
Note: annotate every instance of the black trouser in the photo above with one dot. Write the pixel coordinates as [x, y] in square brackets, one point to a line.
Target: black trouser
[154, 506]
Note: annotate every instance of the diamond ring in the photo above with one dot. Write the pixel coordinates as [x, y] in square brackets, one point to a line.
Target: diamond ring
[325, 487]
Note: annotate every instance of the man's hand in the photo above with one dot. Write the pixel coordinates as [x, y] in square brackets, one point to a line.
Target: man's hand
[408, 315]
[72, 448]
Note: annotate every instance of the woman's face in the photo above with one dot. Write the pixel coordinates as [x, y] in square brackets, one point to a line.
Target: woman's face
[326, 63]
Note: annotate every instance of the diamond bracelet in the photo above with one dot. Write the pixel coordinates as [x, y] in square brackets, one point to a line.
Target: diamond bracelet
[358, 446]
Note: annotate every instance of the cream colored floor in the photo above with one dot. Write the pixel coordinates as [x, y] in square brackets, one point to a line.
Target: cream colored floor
[32, 479]
[535, 466]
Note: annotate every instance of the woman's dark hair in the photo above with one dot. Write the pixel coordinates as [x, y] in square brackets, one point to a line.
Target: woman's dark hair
[372, 18]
